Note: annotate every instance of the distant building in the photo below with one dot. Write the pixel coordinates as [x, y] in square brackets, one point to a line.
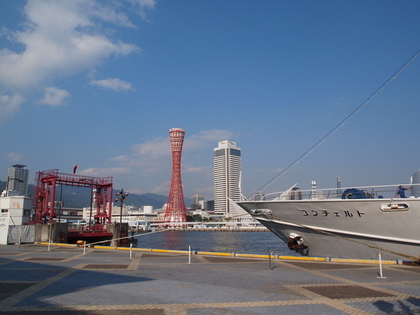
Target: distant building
[210, 205]
[198, 202]
[227, 176]
[14, 211]
[17, 181]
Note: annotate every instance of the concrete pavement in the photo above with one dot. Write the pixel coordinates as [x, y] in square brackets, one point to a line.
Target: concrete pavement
[36, 279]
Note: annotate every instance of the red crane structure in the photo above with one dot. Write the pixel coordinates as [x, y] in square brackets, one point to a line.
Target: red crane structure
[45, 188]
[175, 210]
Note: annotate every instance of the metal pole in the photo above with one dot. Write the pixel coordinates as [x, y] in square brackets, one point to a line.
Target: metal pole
[189, 254]
[131, 251]
[61, 204]
[119, 225]
[84, 247]
[49, 236]
[380, 268]
[121, 198]
[121, 206]
[91, 201]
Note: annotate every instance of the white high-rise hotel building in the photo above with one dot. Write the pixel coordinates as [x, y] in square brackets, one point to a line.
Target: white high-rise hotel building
[227, 176]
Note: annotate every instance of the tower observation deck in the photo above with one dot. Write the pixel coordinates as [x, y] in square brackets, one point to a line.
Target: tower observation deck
[176, 211]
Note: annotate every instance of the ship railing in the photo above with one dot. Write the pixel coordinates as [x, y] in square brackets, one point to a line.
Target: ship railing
[354, 192]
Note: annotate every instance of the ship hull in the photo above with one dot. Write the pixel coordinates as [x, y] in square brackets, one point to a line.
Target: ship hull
[89, 237]
[345, 228]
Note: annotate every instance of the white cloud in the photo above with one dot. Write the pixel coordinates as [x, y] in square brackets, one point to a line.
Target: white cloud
[205, 190]
[136, 191]
[54, 96]
[271, 172]
[104, 172]
[214, 135]
[142, 6]
[9, 105]
[63, 38]
[161, 189]
[15, 157]
[153, 149]
[120, 158]
[197, 169]
[207, 138]
[157, 151]
[112, 84]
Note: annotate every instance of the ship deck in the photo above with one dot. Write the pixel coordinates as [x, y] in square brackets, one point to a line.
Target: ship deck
[35, 279]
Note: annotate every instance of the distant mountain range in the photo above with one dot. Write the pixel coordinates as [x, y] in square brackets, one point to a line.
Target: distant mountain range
[79, 197]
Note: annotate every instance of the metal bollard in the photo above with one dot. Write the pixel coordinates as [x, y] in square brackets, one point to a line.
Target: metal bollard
[380, 268]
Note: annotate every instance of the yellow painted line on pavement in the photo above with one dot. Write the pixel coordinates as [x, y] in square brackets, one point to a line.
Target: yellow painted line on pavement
[254, 256]
[170, 251]
[212, 253]
[364, 261]
[302, 258]
[58, 244]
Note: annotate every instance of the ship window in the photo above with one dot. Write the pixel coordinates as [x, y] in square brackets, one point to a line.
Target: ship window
[4, 210]
[392, 207]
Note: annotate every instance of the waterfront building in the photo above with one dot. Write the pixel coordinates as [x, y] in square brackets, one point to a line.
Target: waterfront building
[227, 176]
[209, 205]
[15, 211]
[17, 181]
[198, 202]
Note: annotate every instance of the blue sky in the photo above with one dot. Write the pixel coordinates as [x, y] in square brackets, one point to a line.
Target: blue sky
[100, 83]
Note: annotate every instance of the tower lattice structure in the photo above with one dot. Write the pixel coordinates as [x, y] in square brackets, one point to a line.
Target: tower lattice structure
[175, 210]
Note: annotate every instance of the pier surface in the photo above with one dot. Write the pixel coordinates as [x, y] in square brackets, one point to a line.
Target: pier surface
[38, 279]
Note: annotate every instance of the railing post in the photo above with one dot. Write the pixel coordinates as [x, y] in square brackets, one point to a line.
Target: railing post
[380, 268]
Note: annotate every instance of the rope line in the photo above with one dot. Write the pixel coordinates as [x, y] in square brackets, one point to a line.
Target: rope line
[163, 230]
[342, 123]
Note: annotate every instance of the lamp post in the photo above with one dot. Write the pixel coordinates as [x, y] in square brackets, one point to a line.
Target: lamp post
[121, 196]
[92, 200]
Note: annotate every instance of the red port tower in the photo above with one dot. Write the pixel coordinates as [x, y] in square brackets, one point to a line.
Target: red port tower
[175, 209]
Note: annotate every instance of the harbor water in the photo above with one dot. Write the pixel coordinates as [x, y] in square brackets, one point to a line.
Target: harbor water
[226, 242]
